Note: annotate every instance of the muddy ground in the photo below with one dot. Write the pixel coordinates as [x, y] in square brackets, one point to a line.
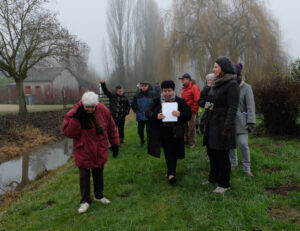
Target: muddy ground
[20, 134]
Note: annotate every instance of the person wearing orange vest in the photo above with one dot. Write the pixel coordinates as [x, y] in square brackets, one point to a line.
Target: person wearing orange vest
[191, 94]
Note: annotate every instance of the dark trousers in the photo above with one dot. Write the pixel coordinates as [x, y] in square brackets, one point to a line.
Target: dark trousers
[171, 161]
[141, 126]
[168, 143]
[120, 122]
[220, 167]
[84, 180]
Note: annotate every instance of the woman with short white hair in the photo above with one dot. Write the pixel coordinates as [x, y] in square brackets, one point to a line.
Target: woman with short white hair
[90, 125]
[204, 92]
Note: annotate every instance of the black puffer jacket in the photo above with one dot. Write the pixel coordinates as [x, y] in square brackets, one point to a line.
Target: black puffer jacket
[119, 105]
[225, 98]
[176, 136]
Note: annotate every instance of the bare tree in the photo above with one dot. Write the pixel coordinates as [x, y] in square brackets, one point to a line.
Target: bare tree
[116, 18]
[78, 64]
[242, 29]
[149, 39]
[29, 34]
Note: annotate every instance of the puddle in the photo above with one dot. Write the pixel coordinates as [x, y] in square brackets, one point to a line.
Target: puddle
[284, 189]
[16, 174]
[285, 214]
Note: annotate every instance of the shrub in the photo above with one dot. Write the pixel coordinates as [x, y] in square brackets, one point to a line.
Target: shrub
[278, 100]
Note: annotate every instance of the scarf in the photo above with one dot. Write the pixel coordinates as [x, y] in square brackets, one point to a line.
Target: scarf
[86, 123]
[164, 99]
[220, 81]
[98, 125]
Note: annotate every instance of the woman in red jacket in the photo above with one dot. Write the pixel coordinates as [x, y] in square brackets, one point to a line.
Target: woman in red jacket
[90, 125]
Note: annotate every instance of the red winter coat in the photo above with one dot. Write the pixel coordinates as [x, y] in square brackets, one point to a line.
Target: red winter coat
[89, 148]
[191, 94]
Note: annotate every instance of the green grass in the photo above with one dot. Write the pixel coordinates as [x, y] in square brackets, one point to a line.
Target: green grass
[143, 200]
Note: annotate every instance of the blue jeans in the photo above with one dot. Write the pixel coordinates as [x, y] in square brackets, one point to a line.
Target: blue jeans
[242, 140]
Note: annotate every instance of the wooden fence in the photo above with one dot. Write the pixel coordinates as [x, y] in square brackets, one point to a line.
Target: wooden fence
[105, 100]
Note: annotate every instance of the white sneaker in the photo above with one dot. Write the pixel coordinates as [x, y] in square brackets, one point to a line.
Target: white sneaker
[220, 190]
[103, 200]
[83, 207]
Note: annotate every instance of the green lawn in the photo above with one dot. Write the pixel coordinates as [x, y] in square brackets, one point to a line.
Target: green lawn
[143, 200]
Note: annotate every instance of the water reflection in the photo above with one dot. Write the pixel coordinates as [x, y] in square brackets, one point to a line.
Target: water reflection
[16, 174]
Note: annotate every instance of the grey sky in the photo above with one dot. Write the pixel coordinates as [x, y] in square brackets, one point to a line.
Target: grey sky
[86, 19]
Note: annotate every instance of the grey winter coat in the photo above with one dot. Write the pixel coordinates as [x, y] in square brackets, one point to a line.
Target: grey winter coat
[246, 110]
[225, 99]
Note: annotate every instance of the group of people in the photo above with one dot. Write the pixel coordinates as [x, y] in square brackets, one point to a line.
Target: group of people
[228, 118]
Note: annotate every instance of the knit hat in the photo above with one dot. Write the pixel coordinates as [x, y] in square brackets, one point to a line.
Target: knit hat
[239, 68]
[226, 65]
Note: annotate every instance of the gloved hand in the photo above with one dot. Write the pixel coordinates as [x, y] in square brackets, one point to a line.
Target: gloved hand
[80, 113]
[251, 127]
[225, 134]
[83, 117]
[115, 150]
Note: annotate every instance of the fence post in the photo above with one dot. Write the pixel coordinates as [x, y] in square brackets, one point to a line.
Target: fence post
[64, 98]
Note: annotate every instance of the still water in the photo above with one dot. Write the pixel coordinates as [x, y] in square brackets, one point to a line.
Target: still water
[16, 174]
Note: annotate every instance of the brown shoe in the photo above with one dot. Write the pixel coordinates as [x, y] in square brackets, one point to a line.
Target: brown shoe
[249, 174]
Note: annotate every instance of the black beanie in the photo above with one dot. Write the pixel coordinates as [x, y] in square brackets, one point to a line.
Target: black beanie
[226, 65]
[239, 68]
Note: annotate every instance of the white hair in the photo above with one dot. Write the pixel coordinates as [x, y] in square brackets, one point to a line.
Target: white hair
[211, 75]
[90, 98]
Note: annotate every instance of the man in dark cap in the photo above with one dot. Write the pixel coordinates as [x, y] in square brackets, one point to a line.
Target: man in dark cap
[191, 94]
[139, 105]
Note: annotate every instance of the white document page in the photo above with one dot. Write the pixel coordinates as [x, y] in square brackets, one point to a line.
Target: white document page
[167, 109]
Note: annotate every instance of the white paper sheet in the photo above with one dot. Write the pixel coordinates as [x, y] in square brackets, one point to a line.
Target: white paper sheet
[167, 109]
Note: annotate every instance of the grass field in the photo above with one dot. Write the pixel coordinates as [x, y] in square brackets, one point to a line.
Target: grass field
[143, 200]
[14, 108]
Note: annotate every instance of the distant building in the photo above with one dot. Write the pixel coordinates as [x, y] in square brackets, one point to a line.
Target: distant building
[51, 85]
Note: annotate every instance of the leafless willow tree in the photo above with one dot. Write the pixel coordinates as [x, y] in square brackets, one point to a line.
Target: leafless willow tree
[29, 34]
[242, 29]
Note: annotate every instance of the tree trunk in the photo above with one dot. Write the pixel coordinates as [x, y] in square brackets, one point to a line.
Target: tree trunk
[21, 97]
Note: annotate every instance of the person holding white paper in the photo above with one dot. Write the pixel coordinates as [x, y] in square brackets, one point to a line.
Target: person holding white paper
[167, 111]
[167, 131]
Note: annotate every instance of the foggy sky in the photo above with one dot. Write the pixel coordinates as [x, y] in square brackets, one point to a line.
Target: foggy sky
[87, 20]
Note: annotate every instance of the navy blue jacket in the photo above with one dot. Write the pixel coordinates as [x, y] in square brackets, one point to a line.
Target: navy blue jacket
[140, 103]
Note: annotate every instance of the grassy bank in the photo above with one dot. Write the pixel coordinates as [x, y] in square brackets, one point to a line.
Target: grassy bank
[20, 134]
[143, 200]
